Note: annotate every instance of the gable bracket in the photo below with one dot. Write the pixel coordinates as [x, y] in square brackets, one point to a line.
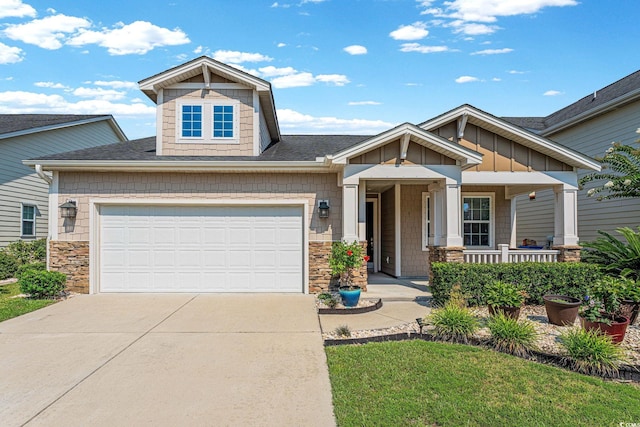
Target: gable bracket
[207, 76]
[404, 146]
[462, 124]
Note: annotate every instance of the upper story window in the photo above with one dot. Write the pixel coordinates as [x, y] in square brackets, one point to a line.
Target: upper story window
[208, 122]
[28, 228]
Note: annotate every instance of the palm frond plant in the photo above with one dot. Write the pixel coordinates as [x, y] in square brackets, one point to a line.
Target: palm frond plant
[616, 257]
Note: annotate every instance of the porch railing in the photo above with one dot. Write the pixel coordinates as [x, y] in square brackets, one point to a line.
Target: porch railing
[504, 254]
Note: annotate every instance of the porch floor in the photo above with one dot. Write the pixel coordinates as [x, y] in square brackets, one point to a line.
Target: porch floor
[380, 285]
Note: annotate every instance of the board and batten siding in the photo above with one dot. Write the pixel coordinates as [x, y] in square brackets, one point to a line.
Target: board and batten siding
[20, 184]
[592, 138]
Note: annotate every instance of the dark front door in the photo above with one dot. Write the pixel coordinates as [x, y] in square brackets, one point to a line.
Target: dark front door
[369, 236]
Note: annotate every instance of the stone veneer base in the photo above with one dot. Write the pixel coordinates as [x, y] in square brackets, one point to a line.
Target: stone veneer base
[72, 259]
[320, 277]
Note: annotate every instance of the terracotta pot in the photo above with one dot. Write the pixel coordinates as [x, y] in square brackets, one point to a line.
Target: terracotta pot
[630, 309]
[561, 313]
[616, 330]
[512, 312]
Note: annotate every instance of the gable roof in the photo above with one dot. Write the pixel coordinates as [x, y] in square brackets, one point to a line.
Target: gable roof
[618, 93]
[151, 85]
[464, 156]
[12, 125]
[513, 132]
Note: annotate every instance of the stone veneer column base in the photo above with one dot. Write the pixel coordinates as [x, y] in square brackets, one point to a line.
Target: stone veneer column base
[568, 253]
[320, 277]
[445, 254]
[72, 259]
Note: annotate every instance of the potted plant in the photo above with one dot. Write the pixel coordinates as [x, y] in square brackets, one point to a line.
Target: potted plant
[504, 297]
[344, 259]
[562, 310]
[602, 311]
[630, 300]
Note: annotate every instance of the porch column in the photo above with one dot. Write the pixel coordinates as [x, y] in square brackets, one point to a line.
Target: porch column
[566, 216]
[513, 241]
[452, 218]
[350, 201]
[436, 200]
[362, 211]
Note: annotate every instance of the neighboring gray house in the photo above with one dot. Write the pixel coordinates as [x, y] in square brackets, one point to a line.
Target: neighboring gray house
[24, 196]
[589, 126]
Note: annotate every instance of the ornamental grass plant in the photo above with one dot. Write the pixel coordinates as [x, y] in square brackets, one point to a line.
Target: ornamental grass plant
[454, 322]
[591, 352]
[511, 336]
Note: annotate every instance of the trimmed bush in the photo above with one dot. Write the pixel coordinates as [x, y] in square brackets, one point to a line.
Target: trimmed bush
[591, 352]
[8, 266]
[453, 323]
[28, 252]
[34, 266]
[535, 278]
[42, 284]
[512, 336]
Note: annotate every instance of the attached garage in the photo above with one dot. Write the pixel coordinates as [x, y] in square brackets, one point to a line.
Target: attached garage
[167, 248]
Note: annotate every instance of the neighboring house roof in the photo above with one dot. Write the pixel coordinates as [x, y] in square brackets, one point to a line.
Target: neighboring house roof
[203, 65]
[599, 102]
[513, 132]
[12, 125]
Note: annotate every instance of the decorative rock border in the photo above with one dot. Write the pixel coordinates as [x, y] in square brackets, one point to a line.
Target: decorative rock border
[625, 372]
[354, 310]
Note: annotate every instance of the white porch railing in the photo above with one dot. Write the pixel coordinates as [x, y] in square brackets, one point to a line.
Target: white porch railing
[504, 254]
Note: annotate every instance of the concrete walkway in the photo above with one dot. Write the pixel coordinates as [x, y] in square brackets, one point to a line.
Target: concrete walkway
[166, 360]
[403, 301]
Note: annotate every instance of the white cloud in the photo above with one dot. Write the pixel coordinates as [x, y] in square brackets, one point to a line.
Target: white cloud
[496, 79]
[467, 79]
[335, 79]
[50, 85]
[271, 71]
[99, 93]
[364, 103]
[416, 47]
[355, 49]
[117, 84]
[516, 72]
[235, 57]
[489, 10]
[413, 84]
[10, 54]
[276, 4]
[139, 37]
[416, 31]
[294, 122]
[492, 51]
[49, 32]
[281, 44]
[472, 29]
[15, 9]
[20, 102]
[293, 80]
[197, 50]
[552, 93]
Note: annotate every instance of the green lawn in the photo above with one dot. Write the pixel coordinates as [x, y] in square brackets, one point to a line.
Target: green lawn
[419, 383]
[13, 307]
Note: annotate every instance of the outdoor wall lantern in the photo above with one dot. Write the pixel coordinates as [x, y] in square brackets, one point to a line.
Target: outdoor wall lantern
[323, 208]
[68, 209]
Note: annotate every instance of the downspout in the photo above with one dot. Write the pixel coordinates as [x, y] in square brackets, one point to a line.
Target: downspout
[43, 175]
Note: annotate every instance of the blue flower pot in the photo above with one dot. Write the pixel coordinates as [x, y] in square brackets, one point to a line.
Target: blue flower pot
[350, 298]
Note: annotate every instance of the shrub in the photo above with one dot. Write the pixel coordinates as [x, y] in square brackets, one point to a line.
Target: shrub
[28, 252]
[502, 294]
[511, 336]
[34, 266]
[8, 266]
[591, 352]
[42, 284]
[344, 258]
[535, 278]
[328, 299]
[453, 323]
[615, 256]
[343, 331]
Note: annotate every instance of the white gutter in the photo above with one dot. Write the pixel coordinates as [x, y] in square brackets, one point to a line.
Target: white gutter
[43, 175]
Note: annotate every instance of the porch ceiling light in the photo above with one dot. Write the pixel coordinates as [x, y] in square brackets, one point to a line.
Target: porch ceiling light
[323, 208]
[68, 209]
[532, 195]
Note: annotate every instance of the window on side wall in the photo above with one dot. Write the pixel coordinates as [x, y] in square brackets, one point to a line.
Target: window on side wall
[477, 220]
[28, 228]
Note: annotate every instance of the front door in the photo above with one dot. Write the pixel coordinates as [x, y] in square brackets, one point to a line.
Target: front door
[371, 219]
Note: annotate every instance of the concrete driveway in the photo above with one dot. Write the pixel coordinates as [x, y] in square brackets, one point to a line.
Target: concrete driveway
[166, 360]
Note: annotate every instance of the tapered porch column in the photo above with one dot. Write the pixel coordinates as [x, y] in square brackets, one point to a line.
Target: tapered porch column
[566, 216]
[452, 220]
[350, 201]
[513, 240]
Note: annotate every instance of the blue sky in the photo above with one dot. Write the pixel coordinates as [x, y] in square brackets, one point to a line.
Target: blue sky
[336, 66]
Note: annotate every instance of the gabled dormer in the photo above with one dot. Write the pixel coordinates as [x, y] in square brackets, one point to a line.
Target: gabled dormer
[207, 108]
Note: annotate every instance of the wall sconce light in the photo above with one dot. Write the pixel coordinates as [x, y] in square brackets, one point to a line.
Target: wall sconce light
[532, 195]
[68, 209]
[323, 208]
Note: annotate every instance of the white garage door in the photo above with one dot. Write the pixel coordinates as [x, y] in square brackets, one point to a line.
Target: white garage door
[201, 249]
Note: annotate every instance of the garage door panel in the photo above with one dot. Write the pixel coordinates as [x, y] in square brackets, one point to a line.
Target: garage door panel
[201, 249]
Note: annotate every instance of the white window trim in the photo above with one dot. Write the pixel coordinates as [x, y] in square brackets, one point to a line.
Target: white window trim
[207, 122]
[22, 220]
[492, 218]
[426, 219]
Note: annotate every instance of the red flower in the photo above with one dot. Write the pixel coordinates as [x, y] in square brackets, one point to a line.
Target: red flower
[349, 253]
[367, 258]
